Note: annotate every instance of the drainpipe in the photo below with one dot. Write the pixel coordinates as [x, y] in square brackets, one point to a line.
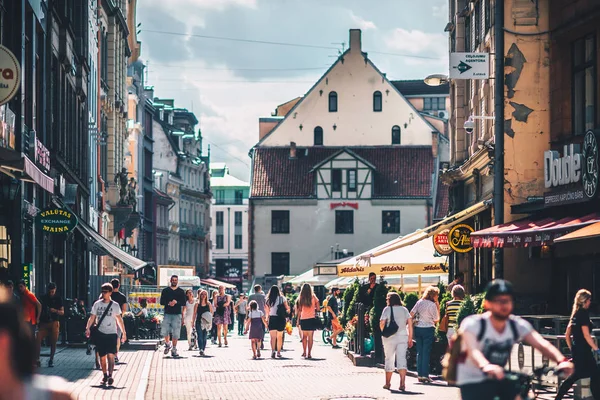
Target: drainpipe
[499, 131]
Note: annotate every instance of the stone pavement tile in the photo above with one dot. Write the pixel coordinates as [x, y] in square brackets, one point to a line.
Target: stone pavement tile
[230, 373]
[83, 380]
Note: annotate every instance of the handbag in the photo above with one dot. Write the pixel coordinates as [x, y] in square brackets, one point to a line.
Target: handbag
[443, 326]
[94, 329]
[391, 327]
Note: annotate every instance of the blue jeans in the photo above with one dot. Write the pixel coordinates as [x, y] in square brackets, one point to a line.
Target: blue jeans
[202, 337]
[424, 338]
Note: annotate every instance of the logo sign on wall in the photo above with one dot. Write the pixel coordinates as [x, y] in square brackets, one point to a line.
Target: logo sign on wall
[441, 243]
[10, 75]
[590, 164]
[56, 220]
[459, 238]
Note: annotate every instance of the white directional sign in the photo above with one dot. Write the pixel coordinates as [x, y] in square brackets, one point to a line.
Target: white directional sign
[469, 65]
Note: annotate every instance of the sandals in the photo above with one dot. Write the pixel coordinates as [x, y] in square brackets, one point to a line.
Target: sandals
[402, 388]
[278, 355]
[386, 387]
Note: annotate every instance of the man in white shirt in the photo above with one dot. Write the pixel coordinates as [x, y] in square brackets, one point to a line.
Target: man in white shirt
[106, 313]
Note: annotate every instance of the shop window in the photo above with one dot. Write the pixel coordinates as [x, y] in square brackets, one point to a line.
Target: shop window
[390, 222]
[344, 221]
[584, 84]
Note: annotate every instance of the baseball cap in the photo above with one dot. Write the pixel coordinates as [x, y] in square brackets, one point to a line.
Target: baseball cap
[498, 287]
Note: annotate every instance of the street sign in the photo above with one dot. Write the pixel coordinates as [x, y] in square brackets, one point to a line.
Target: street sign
[469, 65]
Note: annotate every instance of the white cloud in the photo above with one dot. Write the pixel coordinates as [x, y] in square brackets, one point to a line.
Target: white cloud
[419, 43]
[362, 23]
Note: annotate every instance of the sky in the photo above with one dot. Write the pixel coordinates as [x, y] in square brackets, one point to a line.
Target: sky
[229, 84]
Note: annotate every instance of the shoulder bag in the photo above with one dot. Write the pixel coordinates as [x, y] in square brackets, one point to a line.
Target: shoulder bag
[281, 311]
[391, 327]
[94, 329]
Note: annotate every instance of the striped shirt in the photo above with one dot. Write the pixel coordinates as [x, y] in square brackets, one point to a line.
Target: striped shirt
[452, 307]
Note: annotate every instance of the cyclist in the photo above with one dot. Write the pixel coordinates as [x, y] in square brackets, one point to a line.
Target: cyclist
[487, 341]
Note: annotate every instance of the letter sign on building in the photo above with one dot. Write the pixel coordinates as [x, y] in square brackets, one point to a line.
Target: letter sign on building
[562, 170]
[440, 242]
[590, 164]
[10, 75]
[459, 238]
[56, 220]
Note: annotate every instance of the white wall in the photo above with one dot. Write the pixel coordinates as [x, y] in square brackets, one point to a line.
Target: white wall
[312, 230]
[164, 157]
[357, 124]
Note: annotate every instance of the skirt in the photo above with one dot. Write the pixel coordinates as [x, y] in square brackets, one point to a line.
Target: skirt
[276, 323]
[257, 329]
[310, 324]
[224, 319]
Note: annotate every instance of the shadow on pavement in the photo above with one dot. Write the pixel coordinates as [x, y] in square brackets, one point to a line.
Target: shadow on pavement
[406, 392]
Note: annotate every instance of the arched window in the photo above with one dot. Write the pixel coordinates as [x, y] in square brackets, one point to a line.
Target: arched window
[377, 101]
[395, 134]
[318, 136]
[333, 102]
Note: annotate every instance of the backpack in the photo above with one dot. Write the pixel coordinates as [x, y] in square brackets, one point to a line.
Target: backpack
[455, 356]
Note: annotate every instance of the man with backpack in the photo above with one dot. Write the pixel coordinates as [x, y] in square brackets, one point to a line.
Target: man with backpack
[486, 341]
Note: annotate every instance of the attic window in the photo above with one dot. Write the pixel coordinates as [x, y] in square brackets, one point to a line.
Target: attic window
[333, 102]
[318, 136]
[377, 102]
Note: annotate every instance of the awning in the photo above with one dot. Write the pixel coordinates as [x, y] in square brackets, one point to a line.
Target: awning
[425, 233]
[416, 258]
[407, 282]
[530, 232]
[216, 283]
[110, 249]
[12, 161]
[310, 277]
[589, 232]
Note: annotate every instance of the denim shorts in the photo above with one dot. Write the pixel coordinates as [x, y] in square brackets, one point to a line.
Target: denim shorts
[171, 325]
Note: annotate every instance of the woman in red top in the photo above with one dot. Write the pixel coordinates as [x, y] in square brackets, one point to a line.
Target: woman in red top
[308, 304]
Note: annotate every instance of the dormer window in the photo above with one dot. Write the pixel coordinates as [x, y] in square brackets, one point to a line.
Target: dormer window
[377, 101]
[395, 134]
[318, 136]
[333, 102]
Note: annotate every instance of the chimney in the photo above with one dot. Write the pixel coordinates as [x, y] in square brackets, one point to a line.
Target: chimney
[434, 144]
[355, 40]
[292, 150]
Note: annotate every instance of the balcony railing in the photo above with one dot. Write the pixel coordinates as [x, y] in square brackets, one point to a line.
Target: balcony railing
[231, 202]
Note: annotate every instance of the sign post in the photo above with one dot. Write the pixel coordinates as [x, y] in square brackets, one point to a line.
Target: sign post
[469, 66]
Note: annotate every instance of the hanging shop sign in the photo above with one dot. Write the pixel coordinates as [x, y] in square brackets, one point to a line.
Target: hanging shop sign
[27, 275]
[10, 75]
[459, 238]
[576, 171]
[440, 242]
[56, 220]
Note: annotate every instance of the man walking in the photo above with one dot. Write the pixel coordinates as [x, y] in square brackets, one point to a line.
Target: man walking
[107, 314]
[334, 309]
[259, 297]
[30, 305]
[173, 299]
[121, 300]
[52, 310]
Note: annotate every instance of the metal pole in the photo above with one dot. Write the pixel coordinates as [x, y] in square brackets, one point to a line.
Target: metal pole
[499, 130]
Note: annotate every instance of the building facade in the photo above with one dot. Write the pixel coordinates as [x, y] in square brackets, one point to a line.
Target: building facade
[352, 151]
[229, 232]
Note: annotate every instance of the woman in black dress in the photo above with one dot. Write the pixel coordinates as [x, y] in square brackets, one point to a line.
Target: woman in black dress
[581, 346]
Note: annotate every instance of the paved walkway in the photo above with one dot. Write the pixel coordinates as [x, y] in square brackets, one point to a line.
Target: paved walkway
[230, 373]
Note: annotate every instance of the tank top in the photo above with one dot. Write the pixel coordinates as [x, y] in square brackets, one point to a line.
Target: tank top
[201, 310]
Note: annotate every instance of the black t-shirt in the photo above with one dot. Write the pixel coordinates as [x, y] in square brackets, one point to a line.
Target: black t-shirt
[48, 302]
[581, 318]
[169, 294]
[333, 303]
[119, 298]
[366, 297]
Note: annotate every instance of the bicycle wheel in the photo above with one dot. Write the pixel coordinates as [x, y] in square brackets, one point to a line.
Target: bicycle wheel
[340, 337]
[326, 336]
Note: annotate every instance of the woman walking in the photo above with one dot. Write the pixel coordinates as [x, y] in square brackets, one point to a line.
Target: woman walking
[240, 308]
[203, 318]
[425, 314]
[188, 319]
[221, 303]
[308, 304]
[581, 346]
[257, 323]
[395, 346]
[276, 308]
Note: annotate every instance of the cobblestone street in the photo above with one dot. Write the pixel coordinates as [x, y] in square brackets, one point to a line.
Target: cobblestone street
[230, 373]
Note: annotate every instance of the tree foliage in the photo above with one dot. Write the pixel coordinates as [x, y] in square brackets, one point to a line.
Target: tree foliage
[379, 303]
[466, 308]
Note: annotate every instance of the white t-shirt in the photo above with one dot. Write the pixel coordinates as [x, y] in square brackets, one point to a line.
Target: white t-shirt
[426, 312]
[401, 315]
[273, 308]
[255, 314]
[109, 323]
[496, 347]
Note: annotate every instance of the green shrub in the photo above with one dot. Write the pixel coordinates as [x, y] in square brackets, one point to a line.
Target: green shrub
[478, 301]
[410, 300]
[442, 289]
[350, 298]
[379, 303]
[443, 300]
[466, 308]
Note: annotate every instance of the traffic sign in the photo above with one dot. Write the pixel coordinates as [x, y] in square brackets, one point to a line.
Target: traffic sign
[469, 65]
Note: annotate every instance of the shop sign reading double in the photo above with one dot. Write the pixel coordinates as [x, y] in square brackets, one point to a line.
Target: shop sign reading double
[459, 238]
[56, 220]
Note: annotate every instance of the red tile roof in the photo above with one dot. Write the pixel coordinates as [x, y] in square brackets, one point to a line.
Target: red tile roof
[442, 201]
[401, 171]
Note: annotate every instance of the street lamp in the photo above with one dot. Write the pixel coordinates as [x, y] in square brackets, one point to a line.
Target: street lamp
[134, 251]
[437, 80]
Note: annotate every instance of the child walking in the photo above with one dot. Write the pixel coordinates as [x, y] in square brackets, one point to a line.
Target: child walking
[256, 323]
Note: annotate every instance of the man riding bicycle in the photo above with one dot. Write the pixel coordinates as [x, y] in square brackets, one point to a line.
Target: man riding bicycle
[487, 341]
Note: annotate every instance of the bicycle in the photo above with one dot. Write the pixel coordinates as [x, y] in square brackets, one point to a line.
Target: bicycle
[527, 382]
[326, 335]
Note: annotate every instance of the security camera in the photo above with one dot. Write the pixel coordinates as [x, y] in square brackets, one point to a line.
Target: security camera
[469, 126]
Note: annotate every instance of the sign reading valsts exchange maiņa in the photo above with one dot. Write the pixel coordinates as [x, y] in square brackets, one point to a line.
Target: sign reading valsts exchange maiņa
[56, 220]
